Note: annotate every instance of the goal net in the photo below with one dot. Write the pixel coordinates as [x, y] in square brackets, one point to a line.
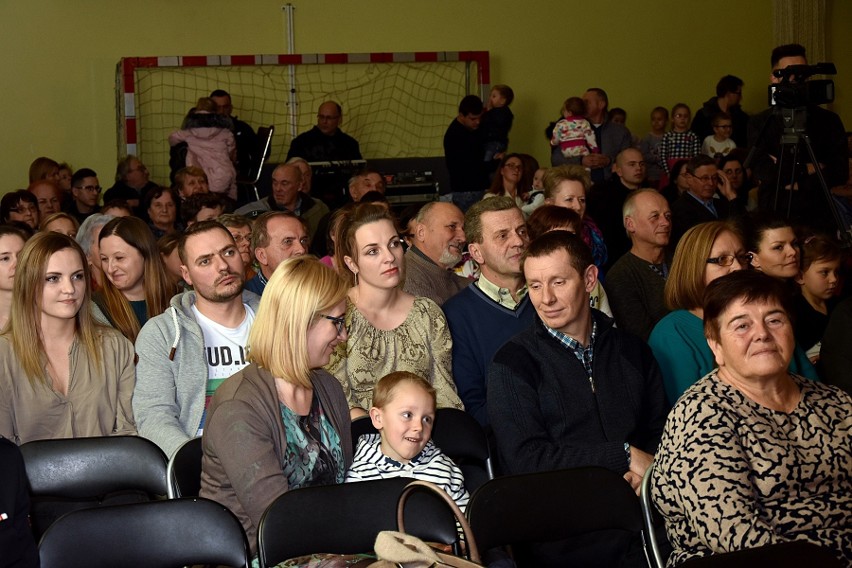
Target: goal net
[396, 105]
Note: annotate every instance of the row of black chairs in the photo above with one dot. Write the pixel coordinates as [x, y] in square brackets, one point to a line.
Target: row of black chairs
[83, 475]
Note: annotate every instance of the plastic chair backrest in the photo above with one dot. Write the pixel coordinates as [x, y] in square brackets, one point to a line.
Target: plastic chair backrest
[352, 515]
[156, 534]
[78, 473]
[551, 506]
[783, 555]
[184, 470]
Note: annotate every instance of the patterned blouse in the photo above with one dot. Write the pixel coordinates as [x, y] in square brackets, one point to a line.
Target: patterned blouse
[313, 455]
[731, 474]
[421, 345]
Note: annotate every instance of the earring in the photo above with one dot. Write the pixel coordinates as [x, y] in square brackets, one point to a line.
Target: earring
[356, 278]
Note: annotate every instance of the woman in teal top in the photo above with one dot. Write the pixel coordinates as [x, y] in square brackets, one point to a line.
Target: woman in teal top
[704, 253]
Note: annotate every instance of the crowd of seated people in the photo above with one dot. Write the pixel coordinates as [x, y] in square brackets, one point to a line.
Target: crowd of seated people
[677, 318]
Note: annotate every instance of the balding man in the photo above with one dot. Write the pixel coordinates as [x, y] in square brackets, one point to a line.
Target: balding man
[635, 283]
[287, 195]
[275, 237]
[49, 196]
[606, 199]
[325, 142]
[364, 182]
[436, 248]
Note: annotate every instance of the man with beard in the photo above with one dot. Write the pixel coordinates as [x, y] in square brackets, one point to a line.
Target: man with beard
[173, 382]
[436, 248]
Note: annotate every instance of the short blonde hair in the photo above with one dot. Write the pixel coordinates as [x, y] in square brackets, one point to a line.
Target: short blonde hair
[384, 389]
[300, 289]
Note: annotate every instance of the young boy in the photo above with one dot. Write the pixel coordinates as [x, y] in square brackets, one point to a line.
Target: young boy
[719, 144]
[497, 121]
[650, 145]
[573, 134]
[403, 412]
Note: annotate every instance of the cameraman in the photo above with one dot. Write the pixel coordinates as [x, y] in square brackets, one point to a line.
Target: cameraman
[828, 139]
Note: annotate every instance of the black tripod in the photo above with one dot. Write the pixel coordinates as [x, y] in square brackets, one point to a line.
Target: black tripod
[794, 121]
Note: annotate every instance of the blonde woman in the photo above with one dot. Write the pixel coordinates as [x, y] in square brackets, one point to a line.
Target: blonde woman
[282, 422]
[389, 330]
[61, 374]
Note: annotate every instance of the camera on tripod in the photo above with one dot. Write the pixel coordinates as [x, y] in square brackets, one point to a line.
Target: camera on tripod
[796, 91]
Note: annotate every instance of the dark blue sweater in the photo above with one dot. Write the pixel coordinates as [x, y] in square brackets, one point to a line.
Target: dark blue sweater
[479, 327]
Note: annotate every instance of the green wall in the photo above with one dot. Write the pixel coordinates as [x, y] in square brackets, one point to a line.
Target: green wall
[58, 70]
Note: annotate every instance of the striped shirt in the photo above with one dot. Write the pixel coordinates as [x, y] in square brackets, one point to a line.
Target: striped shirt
[429, 465]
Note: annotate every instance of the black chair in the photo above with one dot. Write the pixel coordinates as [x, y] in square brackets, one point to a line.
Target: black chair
[657, 547]
[184, 470]
[264, 141]
[352, 514]
[784, 555]
[459, 436]
[552, 506]
[157, 534]
[78, 473]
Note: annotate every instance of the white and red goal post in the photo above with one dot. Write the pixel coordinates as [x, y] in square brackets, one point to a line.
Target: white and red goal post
[395, 104]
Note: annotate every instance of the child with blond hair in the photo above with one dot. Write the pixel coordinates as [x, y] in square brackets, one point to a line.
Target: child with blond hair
[403, 412]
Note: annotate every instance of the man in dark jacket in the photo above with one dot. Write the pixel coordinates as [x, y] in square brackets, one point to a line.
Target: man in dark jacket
[729, 93]
[573, 391]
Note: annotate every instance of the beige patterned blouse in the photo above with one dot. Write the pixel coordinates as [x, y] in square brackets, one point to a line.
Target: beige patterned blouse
[421, 345]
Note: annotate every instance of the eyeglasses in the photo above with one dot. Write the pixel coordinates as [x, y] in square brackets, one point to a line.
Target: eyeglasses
[339, 322]
[24, 209]
[706, 179]
[728, 259]
[238, 238]
[90, 188]
[513, 166]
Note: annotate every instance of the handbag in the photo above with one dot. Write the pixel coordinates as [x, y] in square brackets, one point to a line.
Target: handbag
[395, 549]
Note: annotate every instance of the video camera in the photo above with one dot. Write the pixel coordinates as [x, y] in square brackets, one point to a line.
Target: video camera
[796, 91]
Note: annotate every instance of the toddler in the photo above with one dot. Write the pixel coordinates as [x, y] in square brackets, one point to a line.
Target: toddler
[819, 283]
[679, 142]
[573, 134]
[536, 196]
[719, 144]
[650, 145]
[211, 145]
[404, 412]
[497, 121]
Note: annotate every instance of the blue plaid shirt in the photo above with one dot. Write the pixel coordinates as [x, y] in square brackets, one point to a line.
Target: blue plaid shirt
[583, 354]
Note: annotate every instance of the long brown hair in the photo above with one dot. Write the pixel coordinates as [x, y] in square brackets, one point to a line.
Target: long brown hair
[158, 288]
[24, 328]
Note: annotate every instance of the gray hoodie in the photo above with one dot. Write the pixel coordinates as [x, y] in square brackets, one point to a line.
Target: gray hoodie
[171, 375]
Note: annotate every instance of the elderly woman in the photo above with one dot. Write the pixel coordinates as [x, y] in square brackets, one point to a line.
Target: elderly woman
[704, 253]
[281, 422]
[752, 454]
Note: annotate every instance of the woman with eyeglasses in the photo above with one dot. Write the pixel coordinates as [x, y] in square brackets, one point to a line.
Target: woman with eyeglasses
[509, 180]
[20, 206]
[389, 329]
[704, 253]
[282, 422]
